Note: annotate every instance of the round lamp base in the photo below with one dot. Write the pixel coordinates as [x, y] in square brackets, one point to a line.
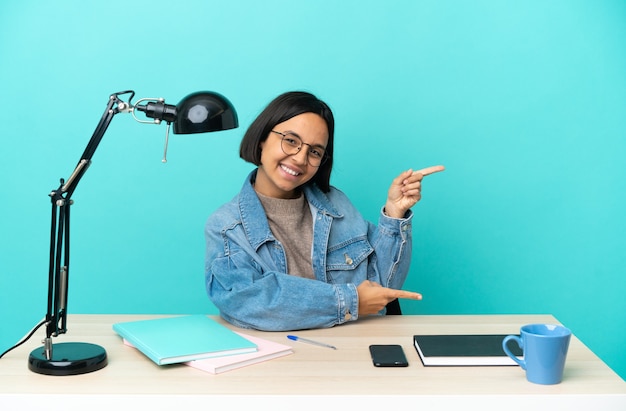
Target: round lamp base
[69, 358]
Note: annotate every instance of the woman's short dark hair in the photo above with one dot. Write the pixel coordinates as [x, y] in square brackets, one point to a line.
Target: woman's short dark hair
[282, 108]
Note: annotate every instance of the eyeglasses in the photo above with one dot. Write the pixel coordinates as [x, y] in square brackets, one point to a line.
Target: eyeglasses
[292, 144]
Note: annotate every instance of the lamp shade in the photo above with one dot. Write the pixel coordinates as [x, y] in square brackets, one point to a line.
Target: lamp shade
[203, 112]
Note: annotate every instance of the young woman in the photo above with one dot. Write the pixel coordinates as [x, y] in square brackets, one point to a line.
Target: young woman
[292, 252]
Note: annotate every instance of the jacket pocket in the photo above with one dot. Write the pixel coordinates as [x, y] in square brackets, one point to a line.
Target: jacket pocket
[348, 256]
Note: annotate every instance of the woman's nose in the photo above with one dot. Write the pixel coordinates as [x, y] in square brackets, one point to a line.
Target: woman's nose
[302, 156]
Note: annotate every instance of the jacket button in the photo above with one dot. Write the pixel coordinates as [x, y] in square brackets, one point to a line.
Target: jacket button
[348, 259]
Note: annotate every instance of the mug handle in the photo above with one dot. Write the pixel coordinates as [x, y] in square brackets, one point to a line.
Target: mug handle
[518, 340]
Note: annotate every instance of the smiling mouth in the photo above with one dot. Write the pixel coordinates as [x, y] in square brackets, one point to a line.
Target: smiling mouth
[289, 171]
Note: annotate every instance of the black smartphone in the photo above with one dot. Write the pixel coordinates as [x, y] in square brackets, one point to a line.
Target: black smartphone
[388, 355]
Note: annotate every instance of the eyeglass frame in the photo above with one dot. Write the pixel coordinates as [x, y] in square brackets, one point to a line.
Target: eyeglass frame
[302, 143]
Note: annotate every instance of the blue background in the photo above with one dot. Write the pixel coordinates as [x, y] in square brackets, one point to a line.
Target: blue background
[524, 102]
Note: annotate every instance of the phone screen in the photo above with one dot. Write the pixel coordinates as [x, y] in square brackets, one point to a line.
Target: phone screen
[390, 355]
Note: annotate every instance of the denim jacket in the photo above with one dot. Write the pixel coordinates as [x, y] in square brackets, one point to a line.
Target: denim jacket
[245, 264]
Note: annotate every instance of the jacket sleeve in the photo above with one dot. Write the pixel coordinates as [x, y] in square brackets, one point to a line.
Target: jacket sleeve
[250, 293]
[392, 240]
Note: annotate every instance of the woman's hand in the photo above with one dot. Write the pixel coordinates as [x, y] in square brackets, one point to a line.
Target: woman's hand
[406, 191]
[373, 297]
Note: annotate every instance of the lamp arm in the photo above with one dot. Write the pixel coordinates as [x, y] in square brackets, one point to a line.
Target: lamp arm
[114, 106]
[58, 270]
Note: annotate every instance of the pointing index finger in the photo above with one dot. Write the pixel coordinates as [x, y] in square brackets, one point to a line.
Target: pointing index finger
[407, 294]
[429, 170]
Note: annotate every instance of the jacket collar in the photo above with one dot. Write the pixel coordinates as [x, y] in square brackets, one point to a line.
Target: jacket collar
[258, 229]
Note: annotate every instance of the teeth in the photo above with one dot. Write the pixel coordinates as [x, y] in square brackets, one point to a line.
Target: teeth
[289, 171]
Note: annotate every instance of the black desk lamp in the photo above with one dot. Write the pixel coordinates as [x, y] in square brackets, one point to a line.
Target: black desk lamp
[197, 113]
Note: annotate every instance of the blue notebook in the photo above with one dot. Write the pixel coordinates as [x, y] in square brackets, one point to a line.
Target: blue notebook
[173, 340]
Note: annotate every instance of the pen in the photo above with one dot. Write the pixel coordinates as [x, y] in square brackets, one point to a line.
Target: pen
[306, 340]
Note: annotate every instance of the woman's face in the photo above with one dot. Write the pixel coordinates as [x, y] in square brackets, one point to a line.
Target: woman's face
[280, 174]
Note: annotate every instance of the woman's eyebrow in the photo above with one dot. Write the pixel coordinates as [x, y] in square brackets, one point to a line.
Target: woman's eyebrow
[292, 132]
